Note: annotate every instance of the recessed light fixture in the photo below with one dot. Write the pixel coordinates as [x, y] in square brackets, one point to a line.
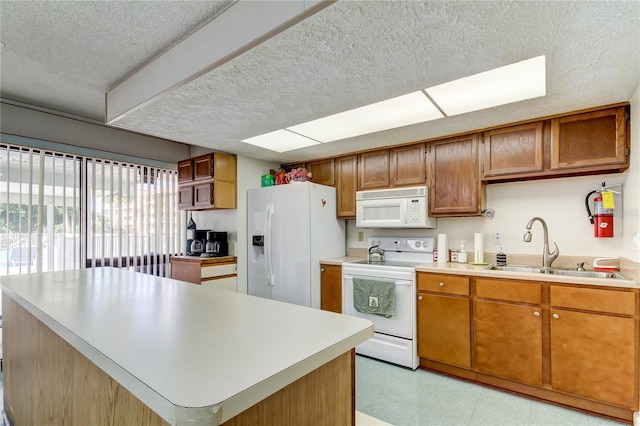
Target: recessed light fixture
[281, 141]
[388, 114]
[499, 86]
[511, 83]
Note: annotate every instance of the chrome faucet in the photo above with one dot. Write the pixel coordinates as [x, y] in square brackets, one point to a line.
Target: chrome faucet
[547, 257]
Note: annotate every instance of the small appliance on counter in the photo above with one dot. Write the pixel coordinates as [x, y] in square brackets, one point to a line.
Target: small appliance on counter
[198, 244]
[216, 245]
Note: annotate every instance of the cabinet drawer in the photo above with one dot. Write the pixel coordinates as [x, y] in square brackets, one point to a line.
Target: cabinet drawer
[592, 299]
[217, 270]
[449, 284]
[227, 283]
[523, 292]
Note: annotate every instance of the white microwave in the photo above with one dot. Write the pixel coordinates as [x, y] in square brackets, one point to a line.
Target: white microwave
[394, 208]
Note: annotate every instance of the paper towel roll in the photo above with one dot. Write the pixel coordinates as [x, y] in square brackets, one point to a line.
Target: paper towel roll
[478, 247]
[443, 253]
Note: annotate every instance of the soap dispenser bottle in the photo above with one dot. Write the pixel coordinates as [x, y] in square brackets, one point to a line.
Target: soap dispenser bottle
[462, 254]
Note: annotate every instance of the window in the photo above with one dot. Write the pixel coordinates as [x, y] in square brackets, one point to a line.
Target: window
[61, 211]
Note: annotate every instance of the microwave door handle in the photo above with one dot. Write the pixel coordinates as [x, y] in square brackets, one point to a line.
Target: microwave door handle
[403, 211]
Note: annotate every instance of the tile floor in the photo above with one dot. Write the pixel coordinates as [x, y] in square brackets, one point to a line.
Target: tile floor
[403, 397]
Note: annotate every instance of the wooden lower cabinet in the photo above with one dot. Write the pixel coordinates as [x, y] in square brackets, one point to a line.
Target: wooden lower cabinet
[593, 354]
[444, 319]
[214, 272]
[331, 288]
[509, 341]
[571, 344]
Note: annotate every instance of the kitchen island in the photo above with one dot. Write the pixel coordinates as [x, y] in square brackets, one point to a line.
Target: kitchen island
[110, 346]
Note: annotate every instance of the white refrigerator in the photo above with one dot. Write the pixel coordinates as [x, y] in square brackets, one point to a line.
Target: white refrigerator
[290, 229]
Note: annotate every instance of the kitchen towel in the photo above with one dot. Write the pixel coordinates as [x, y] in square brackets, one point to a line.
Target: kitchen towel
[443, 253]
[478, 247]
[374, 297]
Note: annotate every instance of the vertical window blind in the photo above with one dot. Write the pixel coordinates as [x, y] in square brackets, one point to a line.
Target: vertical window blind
[61, 211]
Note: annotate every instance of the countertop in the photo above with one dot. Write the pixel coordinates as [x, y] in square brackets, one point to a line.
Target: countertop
[207, 260]
[185, 350]
[480, 270]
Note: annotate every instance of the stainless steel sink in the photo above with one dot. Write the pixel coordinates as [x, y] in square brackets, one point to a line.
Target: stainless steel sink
[555, 271]
[514, 268]
[585, 274]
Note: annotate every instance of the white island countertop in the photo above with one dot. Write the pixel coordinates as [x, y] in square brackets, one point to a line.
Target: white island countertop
[185, 350]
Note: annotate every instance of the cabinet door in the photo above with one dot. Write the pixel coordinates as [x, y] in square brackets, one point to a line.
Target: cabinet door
[444, 329]
[454, 176]
[331, 288]
[322, 172]
[509, 341]
[373, 169]
[185, 170]
[346, 186]
[407, 165]
[594, 139]
[203, 167]
[594, 356]
[224, 167]
[512, 151]
[185, 196]
[203, 195]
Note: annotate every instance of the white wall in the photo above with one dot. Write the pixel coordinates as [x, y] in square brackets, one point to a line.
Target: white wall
[631, 231]
[560, 202]
[235, 221]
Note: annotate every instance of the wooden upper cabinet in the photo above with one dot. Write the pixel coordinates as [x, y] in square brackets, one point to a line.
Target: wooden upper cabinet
[407, 165]
[203, 167]
[322, 171]
[454, 177]
[212, 185]
[594, 139]
[185, 170]
[346, 185]
[512, 151]
[373, 169]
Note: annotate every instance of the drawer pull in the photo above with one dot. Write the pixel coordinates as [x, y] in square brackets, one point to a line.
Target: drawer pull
[555, 316]
[419, 297]
[536, 314]
[321, 269]
[441, 284]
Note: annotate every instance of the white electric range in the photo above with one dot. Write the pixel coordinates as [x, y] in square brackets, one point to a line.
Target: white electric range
[394, 338]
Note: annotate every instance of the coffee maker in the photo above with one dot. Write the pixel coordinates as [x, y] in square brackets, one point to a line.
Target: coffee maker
[217, 245]
[197, 247]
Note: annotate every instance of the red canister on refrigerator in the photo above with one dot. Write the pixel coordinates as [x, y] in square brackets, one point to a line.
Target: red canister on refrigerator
[603, 220]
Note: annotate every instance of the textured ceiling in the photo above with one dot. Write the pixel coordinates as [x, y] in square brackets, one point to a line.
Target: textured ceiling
[347, 55]
[64, 55]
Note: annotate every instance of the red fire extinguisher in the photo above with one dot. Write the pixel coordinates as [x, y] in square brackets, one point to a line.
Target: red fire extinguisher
[602, 219]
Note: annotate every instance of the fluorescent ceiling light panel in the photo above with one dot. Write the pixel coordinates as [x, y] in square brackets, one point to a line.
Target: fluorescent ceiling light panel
[281, 141]
[504, 85]
[396, 112]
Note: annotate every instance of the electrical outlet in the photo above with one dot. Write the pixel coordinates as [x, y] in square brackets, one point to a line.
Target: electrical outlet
[360, 236]
[497, 238]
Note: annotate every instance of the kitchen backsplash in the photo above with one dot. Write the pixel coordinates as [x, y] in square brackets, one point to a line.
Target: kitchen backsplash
[560, 202]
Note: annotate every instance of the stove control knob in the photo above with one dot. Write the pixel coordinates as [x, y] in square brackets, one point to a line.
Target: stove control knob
[418, 244]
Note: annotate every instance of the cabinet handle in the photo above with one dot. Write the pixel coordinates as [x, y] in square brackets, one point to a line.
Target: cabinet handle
[555, 316]
[321, 269]
[419, 297]
[441, 284]
[536, 314]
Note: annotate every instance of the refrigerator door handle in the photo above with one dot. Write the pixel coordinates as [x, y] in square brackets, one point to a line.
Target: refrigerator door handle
[267, 245]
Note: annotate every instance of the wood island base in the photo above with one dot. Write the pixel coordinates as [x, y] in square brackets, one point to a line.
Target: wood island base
[48, 381]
